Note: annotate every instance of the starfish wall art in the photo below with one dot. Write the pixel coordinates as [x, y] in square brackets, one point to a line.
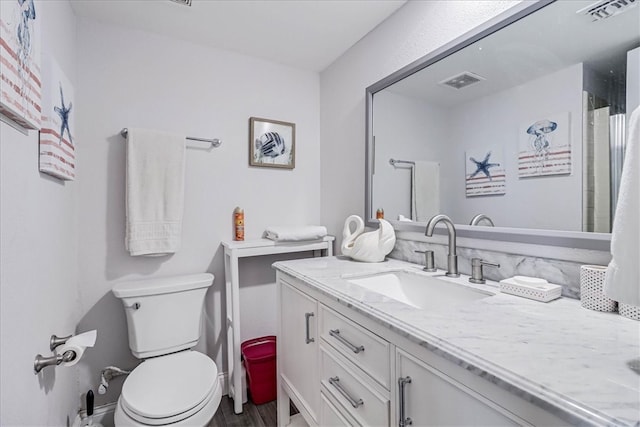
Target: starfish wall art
[484, 172]
[57, 141]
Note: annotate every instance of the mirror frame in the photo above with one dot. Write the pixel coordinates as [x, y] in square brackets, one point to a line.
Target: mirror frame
[569, 239]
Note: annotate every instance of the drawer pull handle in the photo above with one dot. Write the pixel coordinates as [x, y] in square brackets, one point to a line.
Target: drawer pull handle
[336, 334]
[403, 421]
[335, 381]
[308, 339]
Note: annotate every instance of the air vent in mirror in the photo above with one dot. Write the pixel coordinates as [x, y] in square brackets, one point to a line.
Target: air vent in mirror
[607, 8]
[461, 80]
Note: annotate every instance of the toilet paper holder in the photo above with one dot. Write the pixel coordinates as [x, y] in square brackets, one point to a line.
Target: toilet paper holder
[73, 350]
[42, 362]
[57, 341]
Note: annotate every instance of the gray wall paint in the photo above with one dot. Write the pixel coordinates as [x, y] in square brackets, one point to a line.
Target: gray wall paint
[413, 129]
[407, 129]
[413, 31]
[550, 202]
[39, 258]
[133, 78]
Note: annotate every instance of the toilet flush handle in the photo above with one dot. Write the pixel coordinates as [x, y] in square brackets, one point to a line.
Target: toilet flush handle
[134, 306]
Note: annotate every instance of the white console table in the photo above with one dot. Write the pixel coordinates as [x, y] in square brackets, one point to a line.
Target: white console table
[233, 251]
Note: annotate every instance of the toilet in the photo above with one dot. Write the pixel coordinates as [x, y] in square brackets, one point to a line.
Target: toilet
[173, 385]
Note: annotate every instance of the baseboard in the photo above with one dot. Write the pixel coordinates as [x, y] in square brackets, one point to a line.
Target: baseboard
[224, 377]
[224, 382]
[100, 413]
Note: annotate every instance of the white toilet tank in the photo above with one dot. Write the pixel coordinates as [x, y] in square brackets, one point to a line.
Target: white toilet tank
[164, 314]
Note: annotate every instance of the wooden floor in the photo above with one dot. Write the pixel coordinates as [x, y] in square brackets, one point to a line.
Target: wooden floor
[252, 415]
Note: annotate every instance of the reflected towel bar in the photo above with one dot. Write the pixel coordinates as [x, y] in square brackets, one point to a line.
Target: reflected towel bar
[214, 143]
[394, 162]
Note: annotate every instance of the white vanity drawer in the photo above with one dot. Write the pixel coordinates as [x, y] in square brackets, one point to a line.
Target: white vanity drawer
[330, 416]
[359, 396]
[365, 349]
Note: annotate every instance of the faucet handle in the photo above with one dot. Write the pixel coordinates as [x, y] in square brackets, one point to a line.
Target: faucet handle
[430, 264]
[477, 275]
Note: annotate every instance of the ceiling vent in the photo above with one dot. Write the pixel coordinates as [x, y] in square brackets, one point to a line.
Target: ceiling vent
[183, 2]
[461, 80]
[607, 8]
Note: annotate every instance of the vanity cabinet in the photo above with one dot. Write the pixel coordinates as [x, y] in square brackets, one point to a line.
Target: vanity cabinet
[358, 397]
[340, 368]
[359, 345]
[298, 350]
[427, 396]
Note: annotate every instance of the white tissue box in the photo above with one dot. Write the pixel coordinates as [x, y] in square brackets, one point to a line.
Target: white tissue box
[531, 287]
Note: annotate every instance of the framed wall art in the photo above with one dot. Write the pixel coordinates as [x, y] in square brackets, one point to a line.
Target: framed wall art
[272, 143]
[485, 173]
[57, 135]
[20, 86]
[545, 147]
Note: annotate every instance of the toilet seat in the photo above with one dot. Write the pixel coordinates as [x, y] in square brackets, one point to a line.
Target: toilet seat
[169, 389]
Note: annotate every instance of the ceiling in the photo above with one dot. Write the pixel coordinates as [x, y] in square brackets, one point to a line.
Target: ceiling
[307, 34]
[549, 40]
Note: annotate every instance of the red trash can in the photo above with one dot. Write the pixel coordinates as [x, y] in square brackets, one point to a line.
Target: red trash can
[259, 356]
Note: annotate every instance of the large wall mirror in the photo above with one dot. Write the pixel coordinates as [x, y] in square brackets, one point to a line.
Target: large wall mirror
[522, 120]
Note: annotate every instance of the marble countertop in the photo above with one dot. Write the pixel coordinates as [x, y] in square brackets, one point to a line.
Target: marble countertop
[569, 360]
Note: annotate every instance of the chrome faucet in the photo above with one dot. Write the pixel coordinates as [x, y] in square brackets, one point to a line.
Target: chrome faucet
[477, 275]
[452, 258]
[476, 220]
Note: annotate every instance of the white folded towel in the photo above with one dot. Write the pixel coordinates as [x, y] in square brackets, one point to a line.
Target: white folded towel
[295, 233]
[155, 192]
[622, 280]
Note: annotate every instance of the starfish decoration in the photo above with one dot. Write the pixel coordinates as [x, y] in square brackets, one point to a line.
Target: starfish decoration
[63, 112]
[483, 166]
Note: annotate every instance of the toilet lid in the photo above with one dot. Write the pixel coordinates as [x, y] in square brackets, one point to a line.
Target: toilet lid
[166, 386]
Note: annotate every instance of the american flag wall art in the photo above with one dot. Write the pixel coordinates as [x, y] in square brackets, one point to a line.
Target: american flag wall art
[485, 173]
[545, 147]
[20, 84]
[57, 136]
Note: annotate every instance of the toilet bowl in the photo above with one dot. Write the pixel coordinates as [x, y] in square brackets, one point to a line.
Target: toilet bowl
[174, 385]
[179, 389]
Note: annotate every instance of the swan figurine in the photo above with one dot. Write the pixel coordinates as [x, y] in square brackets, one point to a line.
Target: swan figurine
[372, 246]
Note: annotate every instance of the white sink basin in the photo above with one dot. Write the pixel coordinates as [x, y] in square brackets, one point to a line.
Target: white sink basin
[419, 290]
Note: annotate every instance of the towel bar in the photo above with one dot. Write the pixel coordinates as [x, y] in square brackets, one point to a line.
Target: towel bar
[393, 162]
[215, 143]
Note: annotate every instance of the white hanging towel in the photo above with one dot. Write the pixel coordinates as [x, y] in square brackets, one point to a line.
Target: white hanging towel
[155, 192]
[294, 233]
[425, 190]
[622, 280]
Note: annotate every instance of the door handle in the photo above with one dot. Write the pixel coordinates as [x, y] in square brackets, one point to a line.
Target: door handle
[336, 334]
[404, 421]
[308, 339]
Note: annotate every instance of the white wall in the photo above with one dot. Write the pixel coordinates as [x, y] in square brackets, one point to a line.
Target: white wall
[413, 31]
[413, 129]
[39, 256]
[405, 128]
[135, 79]
[549, 202]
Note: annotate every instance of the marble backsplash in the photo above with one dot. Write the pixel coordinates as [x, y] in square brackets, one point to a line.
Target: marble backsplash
[559, 272]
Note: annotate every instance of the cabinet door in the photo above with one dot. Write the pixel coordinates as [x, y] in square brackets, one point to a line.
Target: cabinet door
[299, 347]
[430, 398]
